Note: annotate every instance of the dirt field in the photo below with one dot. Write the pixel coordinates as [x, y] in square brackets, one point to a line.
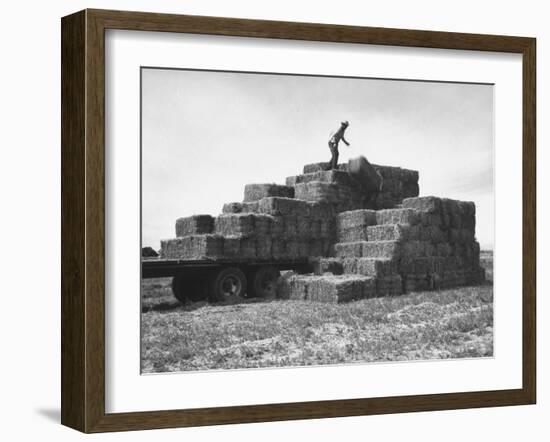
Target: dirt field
[447, 324]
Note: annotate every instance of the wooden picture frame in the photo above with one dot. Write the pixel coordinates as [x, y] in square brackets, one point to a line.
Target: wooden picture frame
[83, 220]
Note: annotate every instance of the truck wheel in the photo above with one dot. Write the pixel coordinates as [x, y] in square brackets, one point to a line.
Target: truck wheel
[227, 283]
[263, 282]
[186, 288]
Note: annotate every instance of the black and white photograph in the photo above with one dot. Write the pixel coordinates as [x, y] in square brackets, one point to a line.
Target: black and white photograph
[306, 220]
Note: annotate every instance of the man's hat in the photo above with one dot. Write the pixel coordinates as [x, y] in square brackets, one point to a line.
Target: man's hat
[345, 123]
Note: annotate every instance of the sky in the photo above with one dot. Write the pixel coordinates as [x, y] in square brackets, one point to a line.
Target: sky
[206, 134]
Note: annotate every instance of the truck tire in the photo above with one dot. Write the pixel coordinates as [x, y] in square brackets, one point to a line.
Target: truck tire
[186, 288]
[227, 284]
[263, 282]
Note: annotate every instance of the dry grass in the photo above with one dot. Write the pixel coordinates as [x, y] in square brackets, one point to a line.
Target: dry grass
[447, 324]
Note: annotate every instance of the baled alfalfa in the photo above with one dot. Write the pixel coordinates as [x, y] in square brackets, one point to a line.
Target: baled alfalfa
[413, 249]
[304, 250]
[376, 267]
[264, 247]
[392, 232]
[316, 247]
[293, 286]
[278, 249]
[317, 191]
[355, 218]
[303, 227]
[262, 224]
[429, 204]
[443, 249]
[349, 265]
[325, 176]
[318, 167]
[237, 224]
[194, 225]
[291, 181]
[175, 248]
[315, 228]
[337, 289]
[327, 229]
[349, 250]
[232, 246]
[389, 285]
[232, 208]
[248, 247]
[277, 226]
[416, 283]
[283, 284]
[291, 227]
[398, 216]
[315, 167]
[193, 247]
[381, 249]
[255, 192]
[328, 265]
[251, 207]
[320, 210]
[279, 206]
[328, 247]
[434, 234]
[352, 235]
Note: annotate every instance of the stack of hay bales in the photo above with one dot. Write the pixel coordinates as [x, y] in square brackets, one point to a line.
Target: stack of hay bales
[397, 185]
[428, 244]
[363, 246]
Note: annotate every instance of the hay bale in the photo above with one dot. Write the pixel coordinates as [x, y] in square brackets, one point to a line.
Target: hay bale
[303, 227]
[232, 208]
[356, 218]
[193, 247]
[194, 225]
[327, 230]
[429, 204]
[277, 226]
[389, 285]
[350, 249]
[293, 286]
[236, 224]
[251, 207]
[376, 267]
[319, 167]
[317, 191]
[443, 249]
[393, 232]
[349, 265]
[231, 246]
[291, 227]
[414, 249]
[248, 247]
[381, 249]
[264, 247]
[279, 206]
[337, 289]
[320, 210]
[327, 265]
[315, 228]
[262, 224]
[352, 235]
[398, 216]
[255, 192]
[278, 249]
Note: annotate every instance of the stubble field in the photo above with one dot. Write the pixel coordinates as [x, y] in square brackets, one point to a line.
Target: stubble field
[445, 324]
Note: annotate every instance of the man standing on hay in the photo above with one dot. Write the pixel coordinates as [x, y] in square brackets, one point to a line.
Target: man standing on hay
[333, 144]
